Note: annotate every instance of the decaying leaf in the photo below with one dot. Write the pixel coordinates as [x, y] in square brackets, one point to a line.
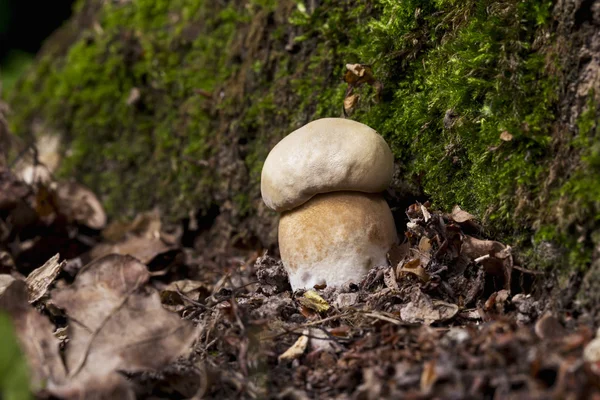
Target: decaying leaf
[314, 301]
[350, 102]
[297, 349]
[414, 267]
[389, 278]
[146, 224]
[357, 74]
[495, 257]
[398, 253]
[80, 204]
[425, 245]
[35, 334]
[142, 248]
[171, 296]
[428, 376]
[427, 311]
[41, 278]
[117, 324]
[426, 214]
[461, 216]
[5, 281]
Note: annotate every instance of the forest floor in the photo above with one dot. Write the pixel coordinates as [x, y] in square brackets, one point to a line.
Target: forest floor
[127, 311]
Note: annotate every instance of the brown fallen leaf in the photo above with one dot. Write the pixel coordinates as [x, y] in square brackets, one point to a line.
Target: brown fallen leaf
[142, 248]
[40, 279]
[117, 323]
[350, 102]
[357, 74]
[460, 216]
[398, 253]
[146, 224]
[35, 335]
[5, 281]
[427, 311]
[495, 257]
[414, 267]
[80, 204]
[171, 296]
[389, 278]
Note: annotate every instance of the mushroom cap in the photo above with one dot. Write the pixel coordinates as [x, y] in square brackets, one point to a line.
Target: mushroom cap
[335, 237]
[326, 155]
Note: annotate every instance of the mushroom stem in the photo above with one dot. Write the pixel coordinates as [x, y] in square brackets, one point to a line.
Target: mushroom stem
[335, 237]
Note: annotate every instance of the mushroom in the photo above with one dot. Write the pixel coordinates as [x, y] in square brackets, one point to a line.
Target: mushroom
[326, 179]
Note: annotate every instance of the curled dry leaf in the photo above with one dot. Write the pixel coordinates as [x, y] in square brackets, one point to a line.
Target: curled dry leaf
[40, 279]
[427, 311]
[35, 335]
[414, 267]
[350, 102]
[460, 216]
[80, 204]
[117, 324]
[297, 349]
[357, 74]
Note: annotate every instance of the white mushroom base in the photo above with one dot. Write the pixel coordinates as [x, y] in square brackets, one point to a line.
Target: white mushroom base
[335, 238]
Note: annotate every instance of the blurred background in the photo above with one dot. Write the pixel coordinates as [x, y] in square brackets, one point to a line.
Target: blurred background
[24, 24]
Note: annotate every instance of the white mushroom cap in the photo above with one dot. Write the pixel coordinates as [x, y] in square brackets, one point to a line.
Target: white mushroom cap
[335, 237]
[326, 155]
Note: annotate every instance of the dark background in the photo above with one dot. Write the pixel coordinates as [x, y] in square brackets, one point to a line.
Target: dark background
[24, 24]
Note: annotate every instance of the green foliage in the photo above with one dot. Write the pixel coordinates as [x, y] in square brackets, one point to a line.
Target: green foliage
[14, 375]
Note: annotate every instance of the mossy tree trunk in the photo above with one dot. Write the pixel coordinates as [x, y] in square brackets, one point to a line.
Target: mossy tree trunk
[491, 105]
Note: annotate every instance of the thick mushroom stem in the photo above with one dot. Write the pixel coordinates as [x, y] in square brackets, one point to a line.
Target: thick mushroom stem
[335, 238]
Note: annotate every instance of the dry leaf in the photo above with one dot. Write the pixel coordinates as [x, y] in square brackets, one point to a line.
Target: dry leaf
[143, 248]
[506, 136]
[80, 204]
[426, 214]
[35, 334]
[297, 349]
[357, 74]
[118, 323]
[389, 278]
[146, 224]
[428, 376]
[425, 245]
[194, 290]
[427, 311]
[5, 281]
[40, 279]
[314, 301]
[398, 253]
[414, 267]
[495, 257]
[350, 102]
[460, 216]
